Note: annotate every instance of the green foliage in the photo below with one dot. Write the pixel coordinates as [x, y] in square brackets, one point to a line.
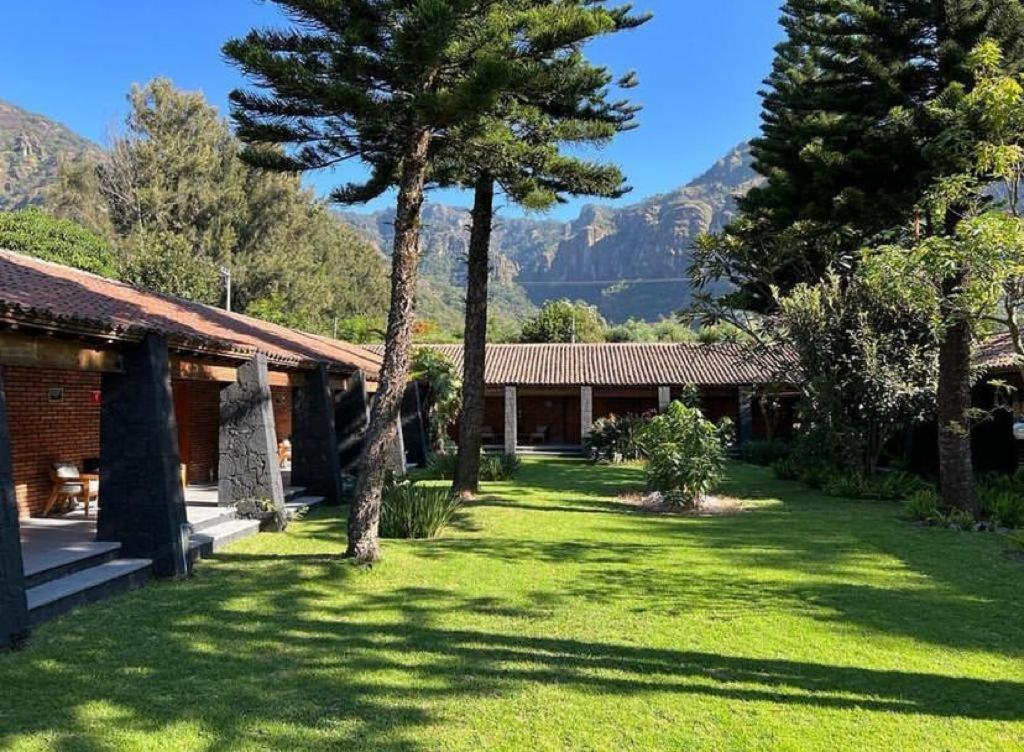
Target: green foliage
[176, 202]
[565, 321]
[409, 510]
[165, 262]
[38, 234]
[866, 360]
[440, 466]
[616, 438]
[685, 455]
[922, 506]
[498, 467]
[765, 452]
[444, 390]
[1001, 499]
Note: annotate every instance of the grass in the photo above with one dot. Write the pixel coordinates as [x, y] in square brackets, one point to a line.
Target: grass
[554, 617]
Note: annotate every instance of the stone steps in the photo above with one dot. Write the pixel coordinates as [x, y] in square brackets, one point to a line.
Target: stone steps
[67, 592]
[68, 559]
[304, 503]
[215, 537]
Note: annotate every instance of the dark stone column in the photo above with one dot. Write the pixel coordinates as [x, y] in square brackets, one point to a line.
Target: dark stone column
[745, 430]
[13, 609]
[414, 433]
[315, 464]
[351, 417]
[248, 440]
[142, 503]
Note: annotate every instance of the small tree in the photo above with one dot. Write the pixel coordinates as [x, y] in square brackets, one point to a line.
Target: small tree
[565, 321]
[444, 391]
[685, 455]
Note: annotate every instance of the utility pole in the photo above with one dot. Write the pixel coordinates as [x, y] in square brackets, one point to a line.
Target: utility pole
[225, 273]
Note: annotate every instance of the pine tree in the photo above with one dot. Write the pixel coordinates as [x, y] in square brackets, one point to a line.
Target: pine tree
[840, 171]
[564, 102]
[382, 82]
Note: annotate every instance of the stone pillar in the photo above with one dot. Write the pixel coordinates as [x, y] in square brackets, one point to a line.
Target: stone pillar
[664, 398]
[351, 417]
[745, 429]
[315, 464]
[13, 608]
[398, 450]
[414, 433]
[586, 410]
[511, 421]
[143, 502]
[248, 441]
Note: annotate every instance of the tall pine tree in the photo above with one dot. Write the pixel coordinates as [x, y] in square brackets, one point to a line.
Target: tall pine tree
[565, 102]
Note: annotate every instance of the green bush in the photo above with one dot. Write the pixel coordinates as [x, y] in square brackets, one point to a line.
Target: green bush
[35, 233]
[409, 510]
[897, 485]
[786, 469]
[922, 506]
[765, 452]
[685, 455]
[440, 466]
[498, 467]
[615, 438]
[1005, 508]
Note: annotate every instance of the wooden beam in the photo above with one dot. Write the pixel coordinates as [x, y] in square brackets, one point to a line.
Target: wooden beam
[48, 352]
[196, 370]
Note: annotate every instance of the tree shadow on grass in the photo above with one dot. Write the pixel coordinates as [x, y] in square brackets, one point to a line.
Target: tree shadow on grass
[295, 672]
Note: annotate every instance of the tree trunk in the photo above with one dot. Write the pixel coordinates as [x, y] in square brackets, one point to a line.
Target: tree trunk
[956, 474]
[364, 514]
[467, 469]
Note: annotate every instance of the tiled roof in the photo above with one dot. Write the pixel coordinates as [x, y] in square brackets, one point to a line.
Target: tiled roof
[997, 354]
[47, 295]
[632, 364]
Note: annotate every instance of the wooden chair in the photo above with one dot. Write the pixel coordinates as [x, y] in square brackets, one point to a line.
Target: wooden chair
[67, 486]
[91, 490]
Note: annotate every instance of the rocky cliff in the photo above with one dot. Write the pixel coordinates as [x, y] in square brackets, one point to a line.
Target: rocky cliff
[31, 147]
[630, 261]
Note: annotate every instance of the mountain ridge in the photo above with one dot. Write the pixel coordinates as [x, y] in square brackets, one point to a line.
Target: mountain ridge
[630, 261]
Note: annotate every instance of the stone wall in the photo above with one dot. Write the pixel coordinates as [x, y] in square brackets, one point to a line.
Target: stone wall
[248, 441]
[13, 610]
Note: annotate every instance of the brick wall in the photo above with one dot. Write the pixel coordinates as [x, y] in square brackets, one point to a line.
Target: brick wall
[43, 431]
[204, 431]
[282, 396]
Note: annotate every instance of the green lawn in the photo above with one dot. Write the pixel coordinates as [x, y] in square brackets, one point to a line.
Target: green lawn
[554, 617]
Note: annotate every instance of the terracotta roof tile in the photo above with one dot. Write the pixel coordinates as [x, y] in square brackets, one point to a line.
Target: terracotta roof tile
[38, 292]
[631, 364]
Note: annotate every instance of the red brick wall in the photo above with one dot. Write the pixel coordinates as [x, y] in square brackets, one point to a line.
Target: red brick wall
[204, 431]
[282, 396]
[43, 431]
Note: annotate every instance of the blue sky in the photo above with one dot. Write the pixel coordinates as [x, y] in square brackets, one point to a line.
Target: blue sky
[700, 67]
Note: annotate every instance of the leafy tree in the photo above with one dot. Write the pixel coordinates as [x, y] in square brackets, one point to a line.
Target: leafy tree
[176, 202]
[866, 363]
[965, 260]
[565, 321]
[562, 101]
[444, 392]
[38, 234]
[381, 82]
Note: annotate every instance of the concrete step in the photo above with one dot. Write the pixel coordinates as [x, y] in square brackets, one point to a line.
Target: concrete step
[50, 564]
[215, 538]
[294, 492]
[85, 586]
[203, 518]
[303, 503]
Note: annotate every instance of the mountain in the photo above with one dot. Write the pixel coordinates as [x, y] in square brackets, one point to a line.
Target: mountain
[630, 261]
[31, 147]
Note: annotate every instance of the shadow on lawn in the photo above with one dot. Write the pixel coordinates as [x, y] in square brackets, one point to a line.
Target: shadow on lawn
[287, 651]
[294, 674]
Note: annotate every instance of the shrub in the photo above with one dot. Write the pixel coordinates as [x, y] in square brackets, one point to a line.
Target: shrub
[440, 466]
[786, 469]
[1005, 508]
[59, 240]
[498, 467]
[922, 506]
[765, 452]
[848, 485]
[615, 438]
[1017, 540]
[685, 456]
[413, 511]
[898, 485]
